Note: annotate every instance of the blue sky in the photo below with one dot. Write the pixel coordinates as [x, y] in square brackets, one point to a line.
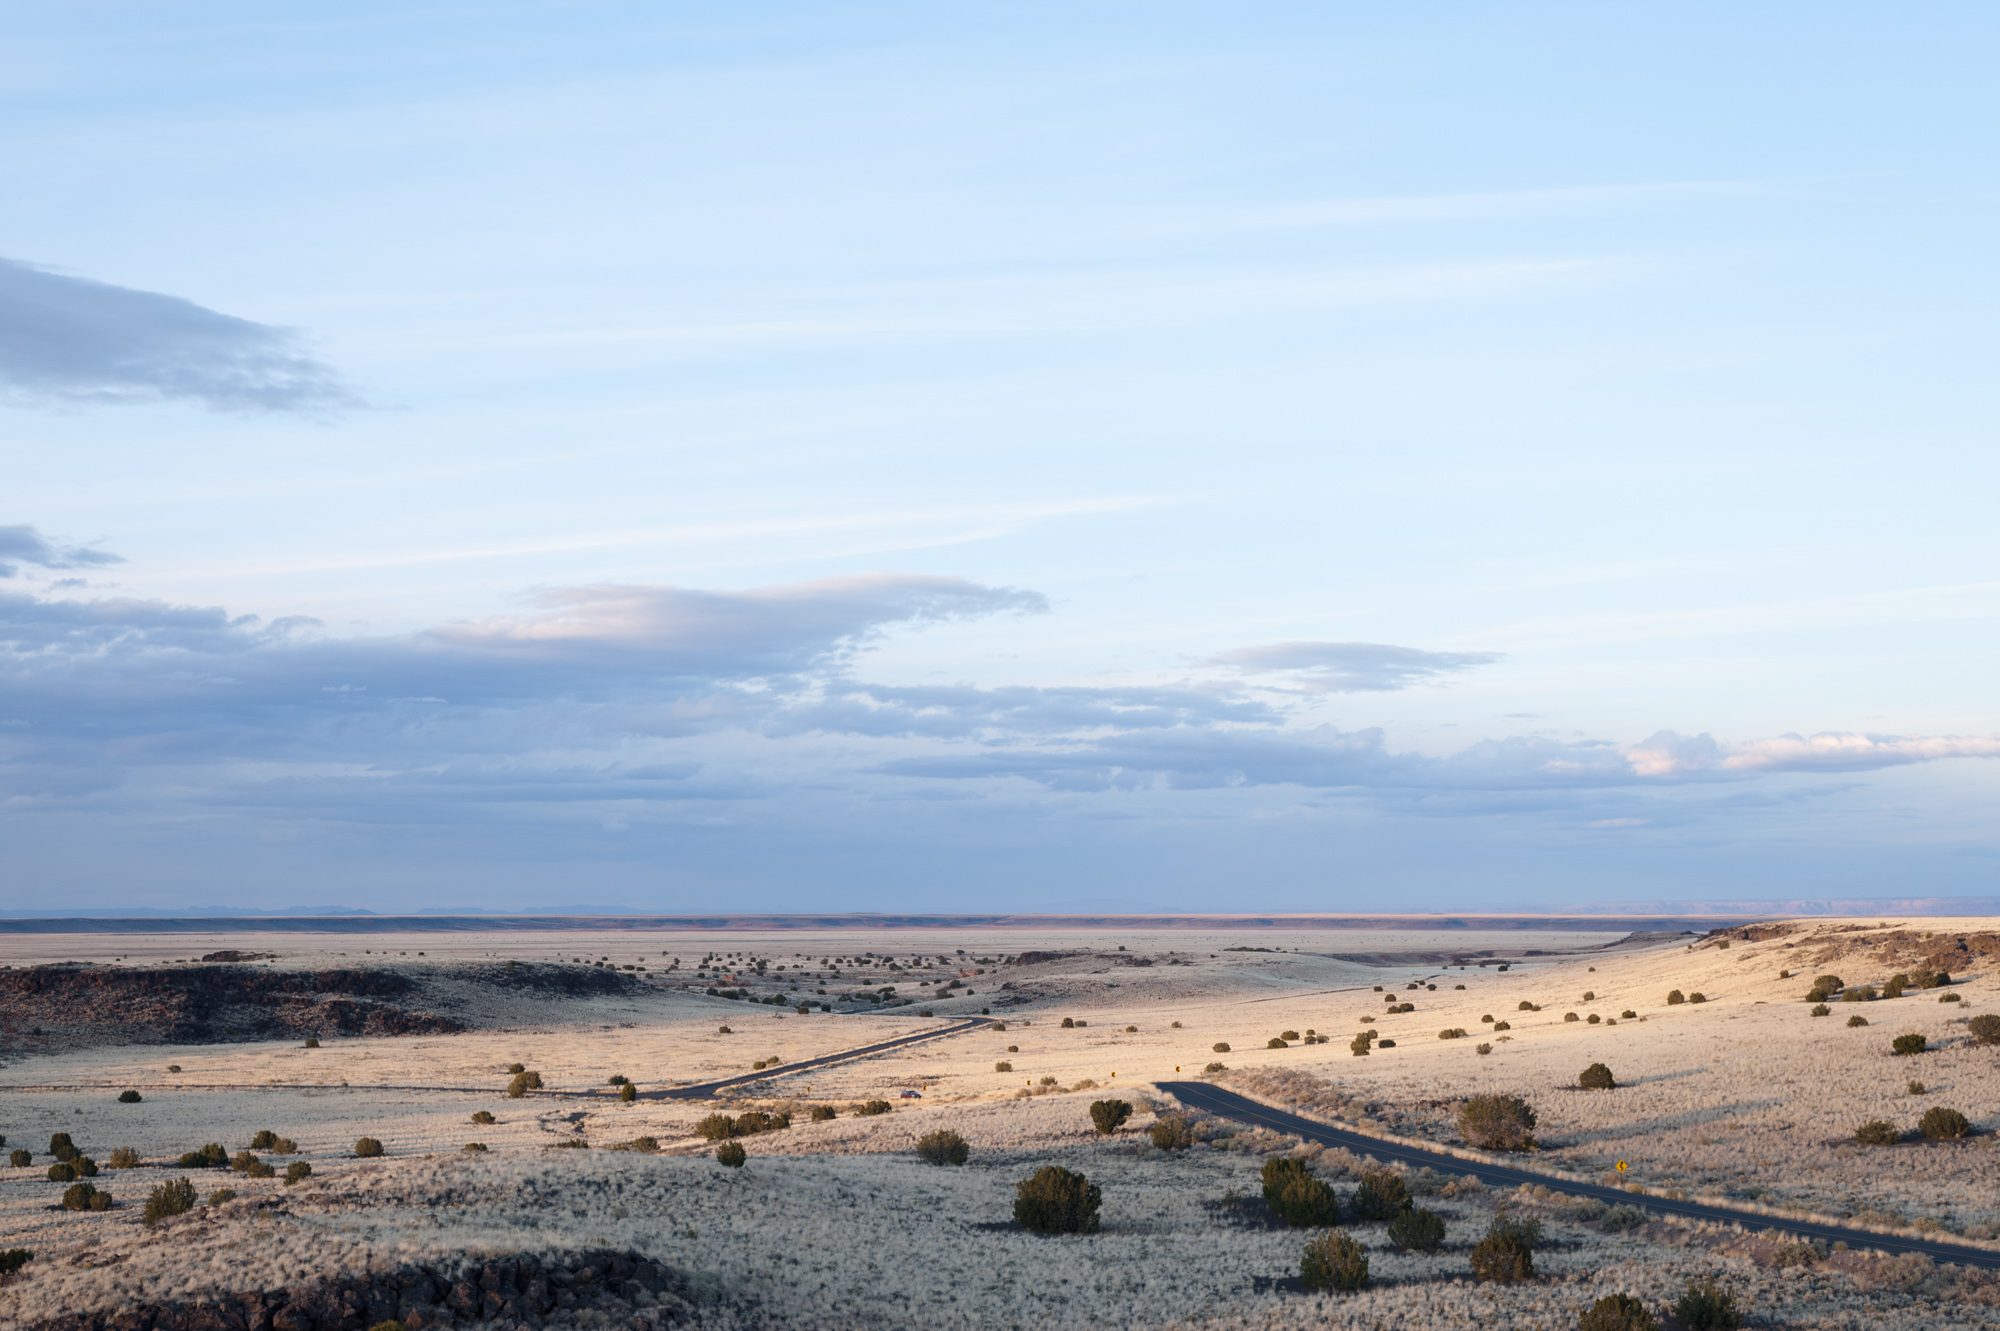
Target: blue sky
[1330, 457]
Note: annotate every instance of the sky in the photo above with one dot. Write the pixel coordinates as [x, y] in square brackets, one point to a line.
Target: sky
[1108, 457]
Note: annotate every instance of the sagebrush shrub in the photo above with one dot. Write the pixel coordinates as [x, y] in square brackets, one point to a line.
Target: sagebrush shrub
[1909, 1044]
[1675, 998]
[1333, 1261]
[1172, 1132]
[1877, 1132]
[18, 1157]
[1416, 1230]
[943, 1147]
[1497, 1122]
[870, 1108]
[62, 1148]
[1856, 1020]
[1213, 1068]
[211, 1156]
[1379, 1195]
[1507, 1254]
[367, 1148]
[1054, 1200]
[1596, 1077]
[1296, 1196]
[1219, 1047]
[1821, 1010]
[731, 1154]
[1003, 1066]
[129, 1097]
[823, 1113]
[298, 1169]
[1707, 1306]
[1617, 1312]
[85, 1197]
[1985, 1028]
[483, 1117]
[172, 1198]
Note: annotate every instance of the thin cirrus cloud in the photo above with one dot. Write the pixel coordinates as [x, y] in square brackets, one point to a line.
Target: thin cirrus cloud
[68, 340]
[1351, 667]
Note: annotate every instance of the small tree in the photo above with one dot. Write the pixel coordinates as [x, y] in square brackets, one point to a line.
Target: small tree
[1333, 1261]
[1109, 1115]
[1417, 1230]
[1707, 1306]
[1941, 1124]
[1596, 1077]
[1053, 1200]
[943, 1147]
[1617, 1312]
[1296, 1196]
[1497, 1123]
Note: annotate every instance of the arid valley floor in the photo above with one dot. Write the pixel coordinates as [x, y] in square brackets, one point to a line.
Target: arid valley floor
[1740, 1094]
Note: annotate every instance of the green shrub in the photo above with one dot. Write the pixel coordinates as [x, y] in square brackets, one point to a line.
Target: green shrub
[62, 1148]
[1385, 1044]
[1628, 1015]
[1949, 998]
[1109, 1115]
[1219, 1047]
[1896, 985]
[1596, 1077]
[1483, 1048]
[1288, 1035]
[1675, 998]
[62, 1171]
[1275, 1042]
[1296, 1196]
[1617, 1312]
[1053, 1200]
[18, 1157]
[823, 1113]
[1503, 1026]
[1941, 1124]
[1877, 1132]
[85, 1197]
[1068, 1022]
[1821, 1010]
[1452, 1033]
[298, 1169]
[1707, 1306]
[1172, 1132]
[1985, 1028]
[1003, 1066]
[518, 1087]
[221, 1196]
[1507, 1254]
[12, 1260]
[473, 1148]
[628, 1092]
[1333, 1261]
[1697, 997]
[1857, 1020]
[1914, 1088]
[1416, 1230]
[211, 1156]
[1497, 1123]
[1571, 1016]
[1362, 1045]
[1212, 1068]
[484, 1116]
[1909, 1044]
[367, 1148]
[1380, 1194]
[870, 1108]
[174, 1197]
[129, 1097]
[943, 1147]
[312, 1042]
[731, 1154]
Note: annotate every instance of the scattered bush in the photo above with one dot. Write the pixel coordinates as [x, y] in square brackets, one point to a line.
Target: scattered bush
[1675, 998]
[731, 1154]
[129, 1097]
[473, 1148]
[12, 1260]
[1628, 1015]
[298, 1169]
[312, 1042]
[628, 1092]
[1497, 1123]
[823, 1113]
[1452, 1033]
[1109, 1115]
[85, 1197]
[870, 1108]
[1697, 997]
[1821, 1010]
[62, 1171]
[1706, 1306]
[943, 1147]
[1941, 1124]
[1877, 1132]
[1571, 1016]
[1053, 1200]
[516, 1069]
[1914, 1088]
[1172, 1132]
[367, 1148]
[172, 1198]
[1333, 1261]
[1219, 1047]
[1003, 1066]
[1985, 1028]
[1896, 985]
[1860, 993]
[1948, 998]
[1596, 1077]
[1275, 1042]
[1857, 1020]
[1617, 1312]
[1503, 1026]
[1416, 1230]
[1909, 1044]
[1213, 1068]
[1068, 1022]
[483, 1117]
[221, 1196]
[18, 1157]
[62, 1148]
[1507, 1254]
[1380, 1194]
[1296, 1196]
[211, 1156]
[1483, 1048]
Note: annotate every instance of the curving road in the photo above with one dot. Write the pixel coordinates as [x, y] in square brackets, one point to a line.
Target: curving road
[1228, 1104]
[703, 1089]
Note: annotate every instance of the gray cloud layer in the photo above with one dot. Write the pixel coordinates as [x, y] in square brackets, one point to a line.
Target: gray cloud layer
[1352, 667]
[25, 545]
[68, 339]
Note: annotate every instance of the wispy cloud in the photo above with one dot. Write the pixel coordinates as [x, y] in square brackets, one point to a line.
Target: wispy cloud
[66, 339]
[25, 545]
[1351, 667]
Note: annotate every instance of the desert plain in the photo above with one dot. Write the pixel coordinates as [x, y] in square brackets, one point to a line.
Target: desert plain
[1731, 1085]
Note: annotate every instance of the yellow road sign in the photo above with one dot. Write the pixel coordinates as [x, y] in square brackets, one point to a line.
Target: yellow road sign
[1620, 1166]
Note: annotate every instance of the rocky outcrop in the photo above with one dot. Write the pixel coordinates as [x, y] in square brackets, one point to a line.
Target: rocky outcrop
[593, 1287]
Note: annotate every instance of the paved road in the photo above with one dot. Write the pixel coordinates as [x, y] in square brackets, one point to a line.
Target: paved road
[1228, 1104]
[702, 1090]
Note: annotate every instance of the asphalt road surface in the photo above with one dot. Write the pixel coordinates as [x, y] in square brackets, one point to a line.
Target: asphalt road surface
[1227, 1104]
